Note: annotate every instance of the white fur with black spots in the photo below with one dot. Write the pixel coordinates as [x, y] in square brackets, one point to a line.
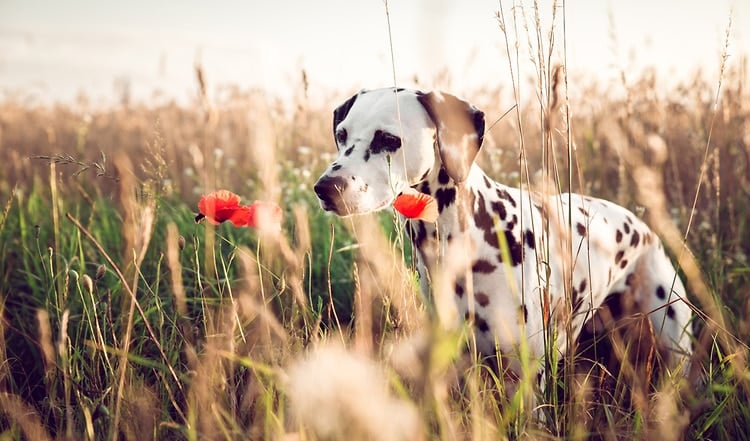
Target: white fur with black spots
[515, 242]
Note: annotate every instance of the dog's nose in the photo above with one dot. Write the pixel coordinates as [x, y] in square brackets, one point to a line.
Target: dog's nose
[328, 190]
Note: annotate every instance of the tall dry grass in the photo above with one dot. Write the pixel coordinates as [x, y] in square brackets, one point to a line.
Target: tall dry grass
[122, 319]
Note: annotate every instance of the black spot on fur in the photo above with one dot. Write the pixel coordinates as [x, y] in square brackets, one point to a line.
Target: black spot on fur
[483, 266]
[582, 286]
[512, 224]
[348, 151]
[514, 247]
[626, 227]
[425, 187]
[529, 235]
[581, 229]
[487, 182]
[614, 302]
[630, 279]
[503, 194]
[418, 233]
[670, 312]
[583, 211]
[481, 324]
[618, 236]
[661, 293]
[499, 208]
[624, 263]
[384, 142]
[482, 298]
[445, 197]
[619, 256]
[443, 177]
[459, 288]
[336, 167]
[635, 239]
[483, 220]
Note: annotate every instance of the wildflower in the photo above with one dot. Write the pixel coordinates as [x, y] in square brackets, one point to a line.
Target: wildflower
[416, 205]
[303, 150]
[223, 205]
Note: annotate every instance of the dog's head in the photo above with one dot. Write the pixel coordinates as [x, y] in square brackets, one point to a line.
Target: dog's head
[390, 139]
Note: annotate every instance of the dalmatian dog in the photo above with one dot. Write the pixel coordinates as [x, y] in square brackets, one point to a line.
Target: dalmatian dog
[515, 283]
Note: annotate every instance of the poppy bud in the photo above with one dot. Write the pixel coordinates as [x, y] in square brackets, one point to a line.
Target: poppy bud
[100, 270]
[88, 283]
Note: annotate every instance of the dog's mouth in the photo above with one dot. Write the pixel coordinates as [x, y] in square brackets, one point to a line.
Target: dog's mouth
[335, 195]
[342, 209]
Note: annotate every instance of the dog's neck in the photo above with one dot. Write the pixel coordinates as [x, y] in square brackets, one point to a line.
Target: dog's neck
[455, 204]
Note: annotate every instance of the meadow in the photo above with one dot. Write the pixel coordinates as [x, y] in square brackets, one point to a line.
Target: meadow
[123, 318]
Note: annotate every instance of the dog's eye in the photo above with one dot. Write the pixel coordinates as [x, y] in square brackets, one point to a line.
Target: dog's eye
[341, 136]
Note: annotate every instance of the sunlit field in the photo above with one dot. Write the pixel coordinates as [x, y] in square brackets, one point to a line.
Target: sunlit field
[123, 318]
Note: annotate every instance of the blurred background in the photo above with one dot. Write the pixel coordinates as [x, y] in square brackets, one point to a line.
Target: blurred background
[54, 51]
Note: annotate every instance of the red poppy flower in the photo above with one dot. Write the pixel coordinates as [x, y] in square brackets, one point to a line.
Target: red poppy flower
[223, 205]
[415, 205]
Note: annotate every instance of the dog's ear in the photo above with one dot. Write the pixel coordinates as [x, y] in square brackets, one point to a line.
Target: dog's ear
[460, 131]
[341, 111]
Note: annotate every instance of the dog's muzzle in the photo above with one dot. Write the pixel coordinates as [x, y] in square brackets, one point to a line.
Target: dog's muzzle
[329, 191]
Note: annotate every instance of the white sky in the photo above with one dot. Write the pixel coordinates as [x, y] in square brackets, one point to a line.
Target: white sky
[52, 50]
